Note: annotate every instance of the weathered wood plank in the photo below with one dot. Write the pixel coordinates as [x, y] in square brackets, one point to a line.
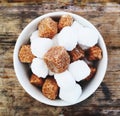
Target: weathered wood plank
[92, 111]
[107, 95]
[112, 83]
[66, 1]
[18, 102]
[12, 98]
[6, 59]
[113, 59]
[30, 1]
[15, 101]
[16, 18]
[25, 0]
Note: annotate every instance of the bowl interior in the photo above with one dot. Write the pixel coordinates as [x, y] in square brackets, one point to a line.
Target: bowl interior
[22, 70]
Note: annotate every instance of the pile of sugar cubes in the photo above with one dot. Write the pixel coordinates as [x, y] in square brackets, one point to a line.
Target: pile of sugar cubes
[61, 54]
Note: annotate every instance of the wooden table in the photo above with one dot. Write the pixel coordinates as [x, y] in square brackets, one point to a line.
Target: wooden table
[14, 101]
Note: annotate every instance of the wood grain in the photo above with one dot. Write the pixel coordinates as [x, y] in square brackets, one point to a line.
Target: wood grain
[65, 1]
[14, 101]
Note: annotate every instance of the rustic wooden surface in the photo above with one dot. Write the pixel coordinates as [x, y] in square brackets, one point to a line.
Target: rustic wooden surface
[14, 101]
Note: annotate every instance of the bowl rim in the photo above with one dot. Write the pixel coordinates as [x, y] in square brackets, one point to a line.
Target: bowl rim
[101, 73]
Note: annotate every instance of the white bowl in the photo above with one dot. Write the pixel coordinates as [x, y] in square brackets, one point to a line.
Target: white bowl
[22, 71]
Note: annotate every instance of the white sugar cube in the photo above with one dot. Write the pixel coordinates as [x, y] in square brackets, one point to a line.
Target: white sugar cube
[39, 67]
[34, 35]
[67, 38]
[51, 73]
[71, 95]
[55, 40]
[79, 69]
[65, 80]
[88, 37]
[40, 46]
[76, 26]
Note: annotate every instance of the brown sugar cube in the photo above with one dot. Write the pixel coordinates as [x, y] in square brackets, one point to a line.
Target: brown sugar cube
[94, 53]
[65, 20]
[50, 88]
[92, 73]
[25, 54]
[47, 28]
[76, 53]
[57, 59]
[37, 81]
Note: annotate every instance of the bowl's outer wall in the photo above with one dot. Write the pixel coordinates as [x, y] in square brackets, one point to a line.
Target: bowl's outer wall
[22, 70]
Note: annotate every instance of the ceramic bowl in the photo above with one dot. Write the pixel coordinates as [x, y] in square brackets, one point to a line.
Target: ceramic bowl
[22, 70]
